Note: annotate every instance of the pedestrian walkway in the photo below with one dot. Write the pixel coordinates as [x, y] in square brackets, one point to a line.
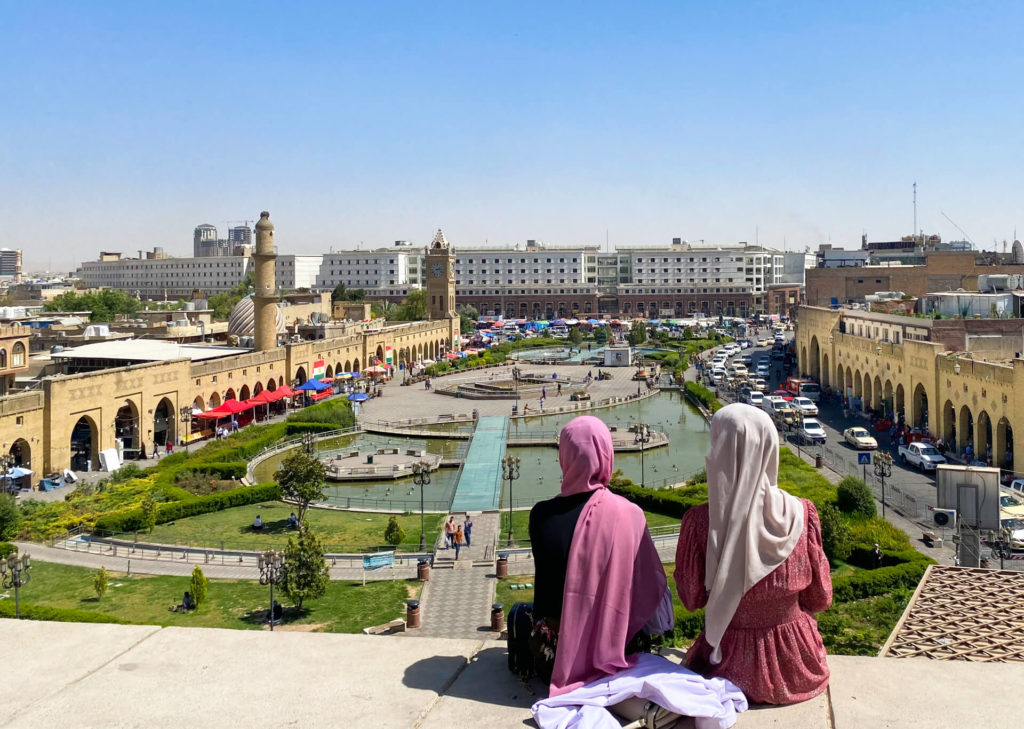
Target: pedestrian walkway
[479, 487]
[456, 602]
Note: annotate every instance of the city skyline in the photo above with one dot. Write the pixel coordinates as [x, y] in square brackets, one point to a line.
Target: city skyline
[788, 127]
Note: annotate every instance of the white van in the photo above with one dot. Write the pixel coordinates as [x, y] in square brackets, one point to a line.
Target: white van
[771, 403]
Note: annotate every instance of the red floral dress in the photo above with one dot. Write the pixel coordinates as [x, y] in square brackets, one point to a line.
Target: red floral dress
[772, 648]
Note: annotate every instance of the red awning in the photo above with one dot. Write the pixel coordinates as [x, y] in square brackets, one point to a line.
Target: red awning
[215, 413]
[264, 398]
[285, 391]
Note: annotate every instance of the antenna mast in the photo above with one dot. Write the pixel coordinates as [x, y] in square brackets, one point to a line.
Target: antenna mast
[914, 231]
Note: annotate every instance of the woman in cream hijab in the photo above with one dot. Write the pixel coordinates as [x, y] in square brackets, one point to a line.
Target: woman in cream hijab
[753, 558]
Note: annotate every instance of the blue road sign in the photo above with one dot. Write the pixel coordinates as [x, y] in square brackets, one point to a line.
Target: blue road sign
[863, 459]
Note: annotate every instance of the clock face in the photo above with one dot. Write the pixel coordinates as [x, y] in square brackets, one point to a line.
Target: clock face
[437, 270]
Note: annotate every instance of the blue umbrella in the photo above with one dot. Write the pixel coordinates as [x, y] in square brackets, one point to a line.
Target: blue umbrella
[358, 397]
[313, 385]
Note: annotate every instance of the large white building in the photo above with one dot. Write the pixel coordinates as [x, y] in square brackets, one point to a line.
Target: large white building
[158, 278]
[374, 269]
[297, 272]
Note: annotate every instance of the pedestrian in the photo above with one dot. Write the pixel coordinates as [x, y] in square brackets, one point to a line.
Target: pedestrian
[170, 447]
[467, 529]
[559, 388]
[449, 532]
[457, 539]
[543, 393]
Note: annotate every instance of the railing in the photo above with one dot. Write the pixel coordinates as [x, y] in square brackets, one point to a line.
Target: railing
[294, 443]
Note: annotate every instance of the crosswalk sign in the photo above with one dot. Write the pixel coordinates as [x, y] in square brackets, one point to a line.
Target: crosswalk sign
[863, 459]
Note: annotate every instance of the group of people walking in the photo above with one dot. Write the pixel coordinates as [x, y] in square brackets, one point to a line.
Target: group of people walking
[455, 535]
[752, 557]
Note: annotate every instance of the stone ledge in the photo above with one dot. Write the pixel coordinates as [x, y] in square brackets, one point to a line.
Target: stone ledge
[131, 676]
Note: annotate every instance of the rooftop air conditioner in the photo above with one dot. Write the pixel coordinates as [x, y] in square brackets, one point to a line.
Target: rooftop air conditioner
[943, 517]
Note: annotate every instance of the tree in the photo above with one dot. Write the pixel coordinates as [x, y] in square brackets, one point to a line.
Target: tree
[854, 497]
[198, 585]
[222, 304]
[384, 308]
[835, 535]
[339, 293]
[467, 314]
[100, 582]
[306, 576]
[637, 333]
[148, 507]
[356, 295]
[414, 308]
[9, 517]
[575, 336]
[394, 534]
[601, 335]
[102, 305]
[302, 477]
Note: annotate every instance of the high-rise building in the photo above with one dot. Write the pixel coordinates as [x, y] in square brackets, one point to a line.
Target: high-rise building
[240, 239]
[10, 264]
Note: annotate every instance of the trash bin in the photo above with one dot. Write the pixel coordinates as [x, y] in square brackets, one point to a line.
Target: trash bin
[501, 570]
[369, 458]
[818, 461]
[423, 570]
[412, 614]
[497, 617]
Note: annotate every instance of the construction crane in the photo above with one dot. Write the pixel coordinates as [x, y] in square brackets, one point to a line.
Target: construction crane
[962, 231]
[232, 223]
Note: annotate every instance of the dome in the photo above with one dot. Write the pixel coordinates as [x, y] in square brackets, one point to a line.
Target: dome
[242, 321]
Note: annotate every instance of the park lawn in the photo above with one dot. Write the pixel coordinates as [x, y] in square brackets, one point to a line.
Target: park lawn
[521, 524]
[347, 607]
[340, 531]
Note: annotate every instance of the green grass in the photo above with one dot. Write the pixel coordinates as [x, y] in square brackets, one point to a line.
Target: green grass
[340, 531]
[521, 524]
[347, 607]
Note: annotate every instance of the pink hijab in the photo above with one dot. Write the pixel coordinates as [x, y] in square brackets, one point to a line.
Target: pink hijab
[614, 580]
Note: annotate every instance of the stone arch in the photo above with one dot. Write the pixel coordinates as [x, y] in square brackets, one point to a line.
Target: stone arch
[1003, 451]
[948, 424]
[849, 379]
[164, 423]
[337, 369]
[841, 381]
[280, 380]
[858, 385]
[199, 404]
[329, 371]
[300, 375]
[920, 406]
[876, 394]
[85, 446]
[803, 358]
[18, 354]
[215, 400]
[983, 439]
[964, 429]
[348, 366]
[826, 379]
[355, 365]
[815, 359]
[244, 393]
[126, 425]
[888, 400]
[900, 403]
[3, 358]
[230, 394]
[21, 452]
[868, 398]
[271, 384]
[257, 389]
[380, 354]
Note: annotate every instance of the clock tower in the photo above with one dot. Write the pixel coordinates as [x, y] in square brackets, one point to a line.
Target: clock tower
[440, 274]
[440, 279]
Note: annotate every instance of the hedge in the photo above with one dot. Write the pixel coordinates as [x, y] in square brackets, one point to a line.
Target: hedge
[670, 502]
[133, 520]
[703, 395]
[7, 548]
[59, 615]
[870, 583]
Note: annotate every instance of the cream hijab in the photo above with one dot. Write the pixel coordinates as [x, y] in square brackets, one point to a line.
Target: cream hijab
[753, 524]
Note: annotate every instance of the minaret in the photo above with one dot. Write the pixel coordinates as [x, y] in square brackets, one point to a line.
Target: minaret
[265, 298]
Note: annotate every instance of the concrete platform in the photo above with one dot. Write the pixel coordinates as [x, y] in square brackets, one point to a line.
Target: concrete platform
[136, 676]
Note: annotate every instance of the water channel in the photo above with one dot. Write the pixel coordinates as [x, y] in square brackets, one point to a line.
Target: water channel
[540, 475]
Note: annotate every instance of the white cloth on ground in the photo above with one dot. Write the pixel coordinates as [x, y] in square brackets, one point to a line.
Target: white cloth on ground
[713, 702]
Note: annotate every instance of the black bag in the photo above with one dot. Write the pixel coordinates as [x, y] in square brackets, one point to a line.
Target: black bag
[520, 627]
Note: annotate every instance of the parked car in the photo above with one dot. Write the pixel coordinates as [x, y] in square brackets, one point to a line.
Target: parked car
[758, 384]
[763, 343]
[860, 438]
[921, 454]
[755, 398]
[805, 405]
[811, 431]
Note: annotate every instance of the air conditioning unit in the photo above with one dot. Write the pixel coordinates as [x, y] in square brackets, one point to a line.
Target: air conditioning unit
[943, 517]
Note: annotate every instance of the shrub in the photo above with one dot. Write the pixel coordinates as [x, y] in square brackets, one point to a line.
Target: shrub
[869, 532]
[869, 583]
[306, 576]
[854, 497]
[337, 412]
[302, 476]
[199, 586]
[7, 548]
[835, 535]
[60, 615]
[697, 392]
[9, 516]
[100, 582]
[131, 520]
[148, 509]
[394, 534]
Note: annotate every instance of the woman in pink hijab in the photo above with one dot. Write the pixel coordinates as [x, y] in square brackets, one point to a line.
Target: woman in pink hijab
[598, 577]
[753, 558]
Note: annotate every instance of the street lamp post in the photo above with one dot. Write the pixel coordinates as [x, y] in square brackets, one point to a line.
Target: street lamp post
[883, 469]
[642, 437]
[271, 573]
[510, 471]
[186, 418]
[14, 573]
[309, 443]
[421, 477]
[6, 482]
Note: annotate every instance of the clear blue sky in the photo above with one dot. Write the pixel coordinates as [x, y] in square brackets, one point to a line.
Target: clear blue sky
[127, 124]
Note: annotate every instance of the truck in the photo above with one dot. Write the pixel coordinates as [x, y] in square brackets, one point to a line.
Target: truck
[922, 454]
[803, 387]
